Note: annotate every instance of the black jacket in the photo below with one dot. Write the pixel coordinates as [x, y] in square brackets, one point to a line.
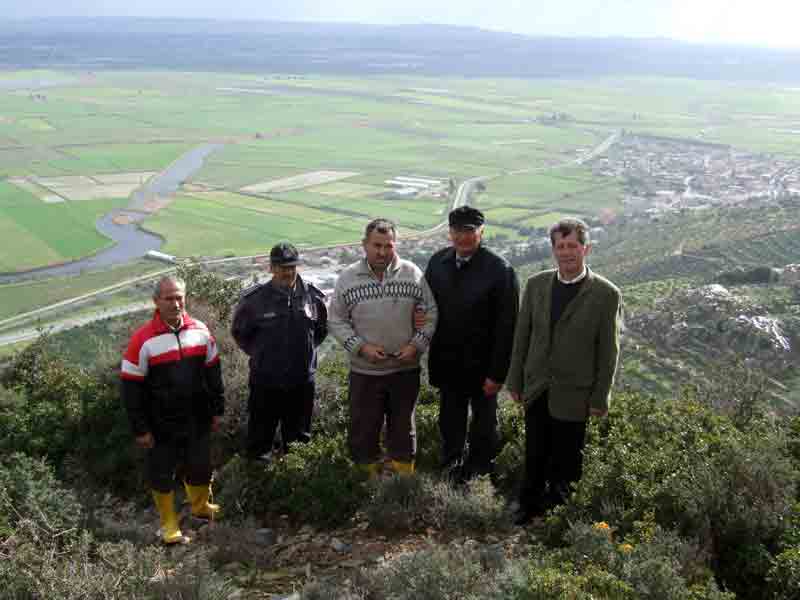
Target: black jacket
[280, 329]
[478, 306]
[171, 379]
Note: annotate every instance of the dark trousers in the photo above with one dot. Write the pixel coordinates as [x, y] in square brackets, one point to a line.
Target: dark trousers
[375, 398]
[483, 438]
[270, 406]
[186, 454]
[553, 457]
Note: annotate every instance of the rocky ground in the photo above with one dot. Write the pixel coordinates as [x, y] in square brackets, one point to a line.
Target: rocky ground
[276, 559]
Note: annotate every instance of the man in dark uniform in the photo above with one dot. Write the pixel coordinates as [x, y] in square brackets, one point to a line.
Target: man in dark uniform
[478, 296]
[172, 389]
[279, 325]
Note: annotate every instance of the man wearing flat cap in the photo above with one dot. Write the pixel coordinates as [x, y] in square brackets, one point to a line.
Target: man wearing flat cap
[279, 325]
[477, 293]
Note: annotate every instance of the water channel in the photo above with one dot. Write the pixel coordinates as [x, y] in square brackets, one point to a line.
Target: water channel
[130, 241]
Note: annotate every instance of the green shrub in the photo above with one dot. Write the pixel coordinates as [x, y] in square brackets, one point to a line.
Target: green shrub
[784, 576]
[103, 449]
[72, 416]
[429, 439]
[399, 503]
[315, 482]
[427, 393]
[29, 491]
[543, 580]
[510, 462]
[333, 416]
[433, 574]
[211, 289]
[46, 553]
[653, 562]
[42, 567]
[417, 502]
[729, 489]
[51, 393]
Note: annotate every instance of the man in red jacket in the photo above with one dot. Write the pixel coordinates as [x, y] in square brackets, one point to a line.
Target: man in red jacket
[173, 392]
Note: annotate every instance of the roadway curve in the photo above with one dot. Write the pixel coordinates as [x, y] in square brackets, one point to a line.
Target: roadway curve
[130, 241]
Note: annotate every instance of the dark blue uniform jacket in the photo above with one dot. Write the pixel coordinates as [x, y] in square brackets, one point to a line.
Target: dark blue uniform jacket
[280, 329]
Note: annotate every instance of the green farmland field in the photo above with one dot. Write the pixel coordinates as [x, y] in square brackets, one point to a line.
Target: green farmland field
[416, 214]
[37, 233]
[520, 134]
[196, 227]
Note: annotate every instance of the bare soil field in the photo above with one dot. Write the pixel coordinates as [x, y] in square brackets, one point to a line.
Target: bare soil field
[83, 187]
[298, 182]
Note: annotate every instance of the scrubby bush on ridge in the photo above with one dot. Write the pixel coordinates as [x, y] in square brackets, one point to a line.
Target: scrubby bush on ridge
[690, 494]
[315, 482]
[594, 565]
[418, 502]
[729, 489]
[45, 551]
[71, 416]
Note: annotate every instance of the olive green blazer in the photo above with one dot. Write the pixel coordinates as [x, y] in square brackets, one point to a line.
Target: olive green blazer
[577, 368]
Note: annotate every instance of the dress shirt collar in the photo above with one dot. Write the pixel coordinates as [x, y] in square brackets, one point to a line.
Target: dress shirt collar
[574, 280]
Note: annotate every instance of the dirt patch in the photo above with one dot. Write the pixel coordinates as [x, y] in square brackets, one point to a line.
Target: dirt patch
[351, 190]
[29, 186]
[514, 142]
[84, 187]
[156, 204]
[299, 182]
[125, 178]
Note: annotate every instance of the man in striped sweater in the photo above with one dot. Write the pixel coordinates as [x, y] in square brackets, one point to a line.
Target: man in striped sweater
[172, 389]
[372, 316]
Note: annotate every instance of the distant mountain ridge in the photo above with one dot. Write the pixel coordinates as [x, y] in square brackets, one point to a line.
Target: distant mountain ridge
[349, 48]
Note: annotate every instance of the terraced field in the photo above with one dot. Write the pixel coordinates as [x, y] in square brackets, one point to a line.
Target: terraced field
[700, 246]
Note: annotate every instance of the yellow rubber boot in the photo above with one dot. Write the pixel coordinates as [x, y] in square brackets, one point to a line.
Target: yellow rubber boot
[198, 499]
[170, 531]
[403, 468]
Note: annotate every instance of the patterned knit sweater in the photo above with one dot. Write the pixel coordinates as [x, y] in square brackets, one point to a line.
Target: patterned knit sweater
[365, 309]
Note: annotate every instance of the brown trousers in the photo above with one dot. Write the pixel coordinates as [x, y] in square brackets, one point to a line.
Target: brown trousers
[373, 398]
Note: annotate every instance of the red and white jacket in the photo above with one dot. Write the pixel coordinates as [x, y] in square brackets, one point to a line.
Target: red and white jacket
[171, 379]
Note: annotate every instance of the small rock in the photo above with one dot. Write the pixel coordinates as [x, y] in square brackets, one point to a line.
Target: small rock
[340, 547]
[265, 537]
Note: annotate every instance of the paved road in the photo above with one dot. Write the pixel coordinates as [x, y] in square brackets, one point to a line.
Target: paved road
[130, 242]
[24, 335]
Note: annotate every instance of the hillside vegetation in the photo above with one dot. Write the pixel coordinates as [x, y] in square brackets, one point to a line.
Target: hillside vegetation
[691, 496]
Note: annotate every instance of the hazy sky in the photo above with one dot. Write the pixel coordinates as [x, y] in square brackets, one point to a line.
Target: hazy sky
[760, 22]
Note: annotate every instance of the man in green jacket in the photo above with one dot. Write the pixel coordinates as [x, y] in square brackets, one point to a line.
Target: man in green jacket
[566, 346]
